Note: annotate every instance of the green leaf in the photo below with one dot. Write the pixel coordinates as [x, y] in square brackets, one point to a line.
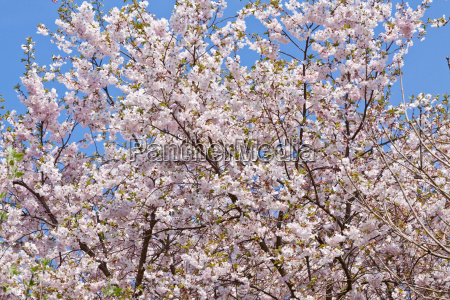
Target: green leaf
[3, 216]
[5, 288]
[112, 290]
[45, 261]
[13, 270]
[17, 156]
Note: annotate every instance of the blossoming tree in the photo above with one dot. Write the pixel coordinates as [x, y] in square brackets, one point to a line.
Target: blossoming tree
[84, 217]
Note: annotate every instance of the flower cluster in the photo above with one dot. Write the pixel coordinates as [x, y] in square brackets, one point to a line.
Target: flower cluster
[366, 219]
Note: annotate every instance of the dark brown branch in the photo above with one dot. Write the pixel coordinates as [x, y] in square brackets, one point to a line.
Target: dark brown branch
[144, 250]
[279, 268]
[102, 266]
[41, 200]
[348, 276]
[83, 246]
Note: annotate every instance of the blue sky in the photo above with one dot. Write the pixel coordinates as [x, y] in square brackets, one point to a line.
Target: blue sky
[425, 69]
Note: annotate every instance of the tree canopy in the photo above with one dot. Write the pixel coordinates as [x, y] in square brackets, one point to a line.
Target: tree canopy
[153, 163]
